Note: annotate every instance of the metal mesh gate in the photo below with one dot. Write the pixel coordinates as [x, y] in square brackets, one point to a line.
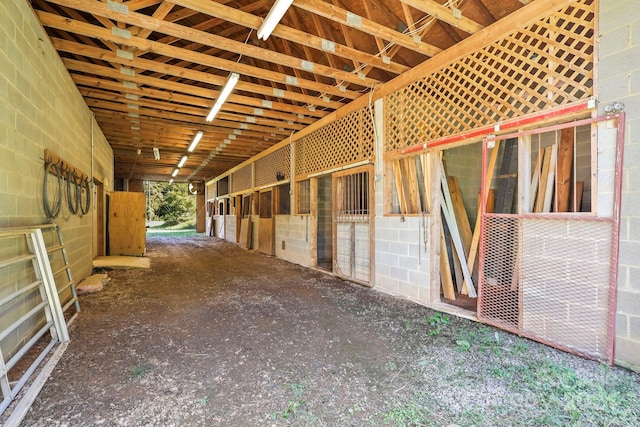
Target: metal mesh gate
[548, 279]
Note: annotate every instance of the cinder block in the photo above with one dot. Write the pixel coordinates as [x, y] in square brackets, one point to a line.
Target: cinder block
[408, 263]
[419, 278]
[617, 63]
[627, 352]
[613, 15]
[622, 325]
[381, 245]
[634, 327]
[634, 278]
[387, 284]
[615, 40]
[409, 290]
[398, 273]
[628, 303]
[629, 251]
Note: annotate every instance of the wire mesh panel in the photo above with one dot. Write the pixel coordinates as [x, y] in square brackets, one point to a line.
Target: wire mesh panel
[499, 274]
[273, 167]
[547, 64]
[241, 179]
[548, 279]
[348, 140]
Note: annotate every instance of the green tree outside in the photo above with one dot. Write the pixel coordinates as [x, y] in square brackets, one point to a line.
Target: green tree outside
[171, 203]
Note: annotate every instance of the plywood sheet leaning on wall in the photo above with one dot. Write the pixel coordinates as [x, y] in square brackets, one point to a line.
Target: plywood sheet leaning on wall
[245, 233]
[127, 225]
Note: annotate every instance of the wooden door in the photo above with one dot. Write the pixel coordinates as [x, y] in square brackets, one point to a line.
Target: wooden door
[266, 224]
[127, 231]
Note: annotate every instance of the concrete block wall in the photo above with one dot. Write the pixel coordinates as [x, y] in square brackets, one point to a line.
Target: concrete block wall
[294, 232]
[402, 257]
[41, 108]
[619, 80]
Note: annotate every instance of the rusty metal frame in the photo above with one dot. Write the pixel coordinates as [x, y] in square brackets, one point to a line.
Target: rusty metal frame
[620, 118]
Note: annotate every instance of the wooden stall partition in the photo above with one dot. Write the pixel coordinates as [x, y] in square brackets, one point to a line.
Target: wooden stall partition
[127, 231]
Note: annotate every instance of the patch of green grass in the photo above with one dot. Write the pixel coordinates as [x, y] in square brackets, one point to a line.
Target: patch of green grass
[140, 371]
[463, 345]
[203, 401]
[187, 225]
[437, 321]
[408, 414]
[176, 233]
[390, 366]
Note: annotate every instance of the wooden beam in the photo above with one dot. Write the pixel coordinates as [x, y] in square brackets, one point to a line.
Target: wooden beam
[60, 23]
[239, 17]
[199, 76]
[367, 26]
[445, 14]
[173, 90]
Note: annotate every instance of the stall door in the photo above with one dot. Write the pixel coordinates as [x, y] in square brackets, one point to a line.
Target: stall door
[266, 225]
[353, 228]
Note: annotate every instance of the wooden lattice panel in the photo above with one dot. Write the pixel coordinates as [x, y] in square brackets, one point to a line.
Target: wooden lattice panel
[347, 140]
[544, 65]
[212, 191]
[269, 167]
[241, 179]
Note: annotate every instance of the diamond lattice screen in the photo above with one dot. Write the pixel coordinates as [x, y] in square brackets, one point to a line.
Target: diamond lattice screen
[241, 179]
[345, 141]
[547, 64]
[268, 167]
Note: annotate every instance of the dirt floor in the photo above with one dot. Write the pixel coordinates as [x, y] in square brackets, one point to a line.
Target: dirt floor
[213, 335]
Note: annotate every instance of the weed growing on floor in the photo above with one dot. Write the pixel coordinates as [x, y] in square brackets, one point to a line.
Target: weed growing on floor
[436, 321]
[408, 414]
[140, 371]
[390, 366]
[295, 405]
[203, 401]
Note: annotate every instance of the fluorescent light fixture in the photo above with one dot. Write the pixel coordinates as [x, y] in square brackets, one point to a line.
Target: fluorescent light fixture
[171, 181]
[196, 139]
[226, 91]
[273, 18]
[175, 172]
[156, 153]
[183, 160]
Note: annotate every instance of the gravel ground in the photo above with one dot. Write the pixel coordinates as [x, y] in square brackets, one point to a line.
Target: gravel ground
[213, 335]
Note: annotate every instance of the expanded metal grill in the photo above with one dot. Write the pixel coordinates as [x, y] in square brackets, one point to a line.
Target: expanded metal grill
[547, 64]
[348, 140]
[273, 167]
[241, 179]
[548, 279]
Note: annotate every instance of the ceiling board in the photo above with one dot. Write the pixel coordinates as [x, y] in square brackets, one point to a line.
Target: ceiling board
[151, 75]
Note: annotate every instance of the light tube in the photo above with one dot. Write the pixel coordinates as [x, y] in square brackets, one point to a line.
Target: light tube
[196, 139]
[273, 18]
[226, 91]
[183, 160]
[156, 153]
[175, 172]
[171, 181]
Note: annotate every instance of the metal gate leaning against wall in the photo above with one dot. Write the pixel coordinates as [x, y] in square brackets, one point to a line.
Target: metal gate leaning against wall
[552, 276]
[353, 224]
